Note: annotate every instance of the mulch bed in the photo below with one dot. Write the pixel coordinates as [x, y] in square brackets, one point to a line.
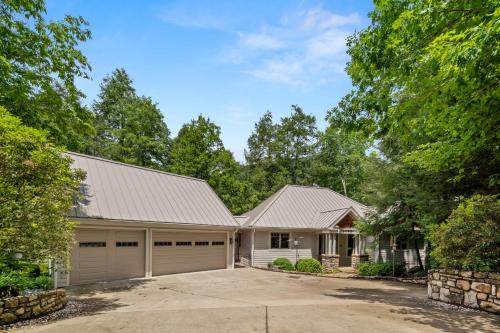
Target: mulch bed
[341, 275]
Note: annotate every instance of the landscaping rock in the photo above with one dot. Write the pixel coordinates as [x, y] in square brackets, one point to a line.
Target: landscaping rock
[463, 284]
[481, 287]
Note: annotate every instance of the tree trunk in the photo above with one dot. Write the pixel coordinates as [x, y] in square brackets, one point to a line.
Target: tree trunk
[415, 242]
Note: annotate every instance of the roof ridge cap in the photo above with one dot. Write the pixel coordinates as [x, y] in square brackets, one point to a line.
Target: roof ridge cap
[333, 210]
[134, 166]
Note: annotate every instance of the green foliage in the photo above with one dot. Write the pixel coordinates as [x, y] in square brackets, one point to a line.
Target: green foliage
[130, 128]
[16, 282]
[198, 151]
[426, 72]
[39, 61]
[284, 264]
[37, 189]
[470, 237]
[380, 269]
[309, 265]
[341, 161]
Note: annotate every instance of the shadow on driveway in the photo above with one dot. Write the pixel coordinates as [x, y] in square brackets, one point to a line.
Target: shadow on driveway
[423, 311]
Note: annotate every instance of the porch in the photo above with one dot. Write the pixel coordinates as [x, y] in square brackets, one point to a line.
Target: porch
[341, 247]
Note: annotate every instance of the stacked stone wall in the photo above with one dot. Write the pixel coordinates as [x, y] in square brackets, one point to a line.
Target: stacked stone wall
[17, 308]
[478, 290]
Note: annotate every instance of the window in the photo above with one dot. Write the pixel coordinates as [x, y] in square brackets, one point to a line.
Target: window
[163, 243]
[279, 240]
[202, 243]
[183, 243]
[218, 243]
[401, 244]
[127, 244]
[92, 244]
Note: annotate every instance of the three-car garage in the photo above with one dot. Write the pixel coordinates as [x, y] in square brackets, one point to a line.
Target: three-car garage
[135, 222]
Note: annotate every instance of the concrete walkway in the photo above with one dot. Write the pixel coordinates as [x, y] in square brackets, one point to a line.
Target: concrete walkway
[250, 300]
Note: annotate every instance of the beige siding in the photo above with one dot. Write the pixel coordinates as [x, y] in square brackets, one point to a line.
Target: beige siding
[263, 254]
[262, 240]
[246, 247]
[263, 257]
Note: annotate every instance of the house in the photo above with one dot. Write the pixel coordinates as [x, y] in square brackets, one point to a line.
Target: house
[137, 222]
[314, 222]
[303, 222]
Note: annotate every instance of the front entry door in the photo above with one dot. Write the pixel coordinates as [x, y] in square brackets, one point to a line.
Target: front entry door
[346, 248]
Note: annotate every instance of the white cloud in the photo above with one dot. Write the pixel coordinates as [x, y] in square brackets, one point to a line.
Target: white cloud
[260, 41]
[323, 19]
[305, 48]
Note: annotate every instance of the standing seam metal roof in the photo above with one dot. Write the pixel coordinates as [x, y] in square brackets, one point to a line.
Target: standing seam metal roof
[304, 207]
[118, 191]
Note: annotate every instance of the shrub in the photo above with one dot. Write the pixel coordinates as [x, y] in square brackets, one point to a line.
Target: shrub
[416, 272]
[43, 282]
[380, 269]
[283, 263]
[470, 237]
[16, 282]
[309, 265]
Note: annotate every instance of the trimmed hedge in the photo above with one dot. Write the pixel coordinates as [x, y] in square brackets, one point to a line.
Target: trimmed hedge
[309, 265]
[284, 264]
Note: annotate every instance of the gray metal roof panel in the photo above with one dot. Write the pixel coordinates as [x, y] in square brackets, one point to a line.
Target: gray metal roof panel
[119, 191]
[297, 207]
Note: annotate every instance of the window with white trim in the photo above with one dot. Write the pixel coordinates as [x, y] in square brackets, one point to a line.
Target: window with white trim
[280, 240]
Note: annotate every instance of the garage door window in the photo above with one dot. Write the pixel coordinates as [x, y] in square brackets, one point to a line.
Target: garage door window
[202, 243]
[218, 243]
[183, 243]
[163, 243]
[92, 244]
[127, 244]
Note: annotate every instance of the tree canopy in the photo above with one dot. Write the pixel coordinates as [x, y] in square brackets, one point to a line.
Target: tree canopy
[37, 190]
[39, 61]
[198, 151]
[129, 128]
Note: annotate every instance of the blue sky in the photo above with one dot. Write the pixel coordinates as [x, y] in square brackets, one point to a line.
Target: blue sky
[228, 60]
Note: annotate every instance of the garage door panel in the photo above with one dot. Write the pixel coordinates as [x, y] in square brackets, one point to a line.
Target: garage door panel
[93, 262]
[179, 259]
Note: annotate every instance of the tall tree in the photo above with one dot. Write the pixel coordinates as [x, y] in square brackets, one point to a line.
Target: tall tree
[39, 62]
[198, 151]
[427, 72]
[262, 167]
[129, 128]
[425, 76]
[340, 161]
[296, 139]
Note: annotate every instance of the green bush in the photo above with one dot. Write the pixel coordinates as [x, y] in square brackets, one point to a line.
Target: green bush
[416, 272]
[380, 269]
[309, 265]
[470, 237]
[283, 263]
[16, 282]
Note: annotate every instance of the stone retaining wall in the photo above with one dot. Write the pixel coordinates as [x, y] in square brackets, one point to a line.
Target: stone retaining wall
[476, 290]
[17, 308]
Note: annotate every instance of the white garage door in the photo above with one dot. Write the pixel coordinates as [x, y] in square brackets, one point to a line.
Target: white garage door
[105, 255]
[179, 252]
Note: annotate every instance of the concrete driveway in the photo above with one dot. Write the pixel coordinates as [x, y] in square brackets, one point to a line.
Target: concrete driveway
[250, 300]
